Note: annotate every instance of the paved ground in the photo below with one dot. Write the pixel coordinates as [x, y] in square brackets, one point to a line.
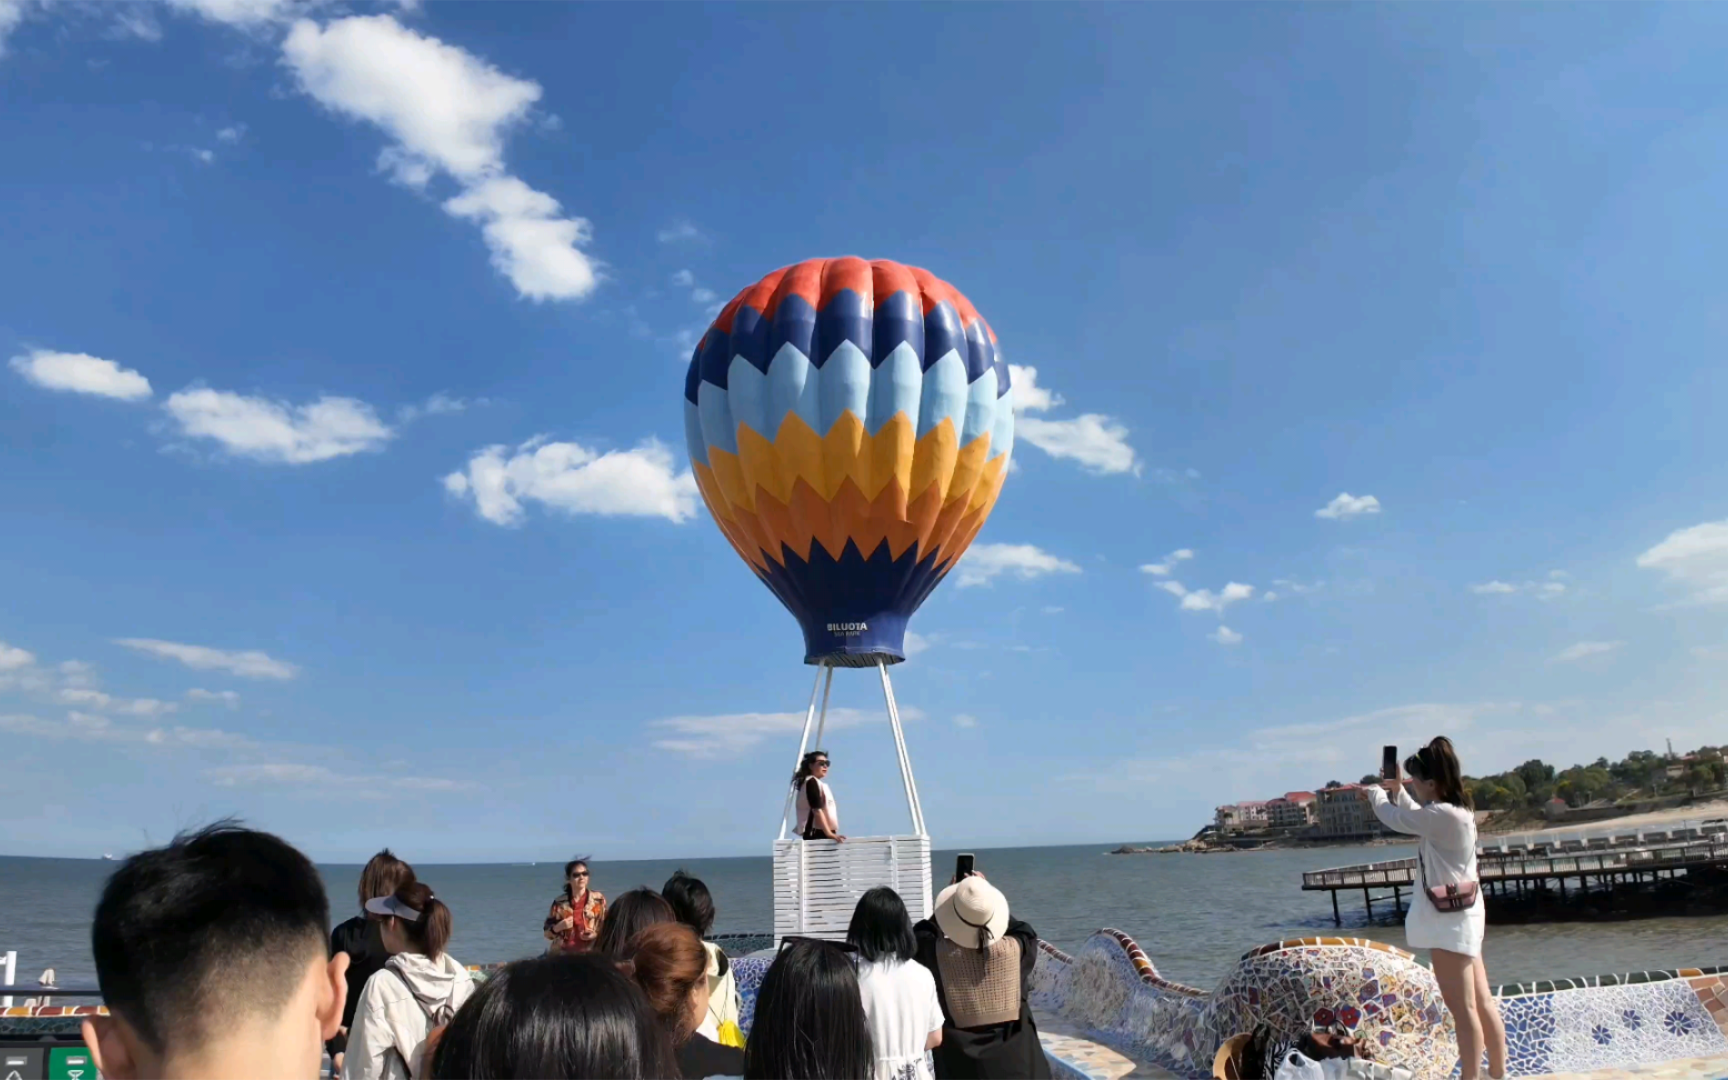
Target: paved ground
[1692, 1069]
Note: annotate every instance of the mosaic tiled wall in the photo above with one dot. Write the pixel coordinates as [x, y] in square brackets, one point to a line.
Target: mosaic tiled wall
[1112, 989]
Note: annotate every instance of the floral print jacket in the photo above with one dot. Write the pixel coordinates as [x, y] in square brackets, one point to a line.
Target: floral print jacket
[584, 919]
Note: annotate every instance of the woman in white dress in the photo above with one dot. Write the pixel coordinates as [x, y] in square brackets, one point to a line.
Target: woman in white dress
[900, 1000]
[1445, 828]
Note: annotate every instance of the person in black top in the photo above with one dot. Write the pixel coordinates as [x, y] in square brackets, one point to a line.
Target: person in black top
[982, 959]
[359, 938]
[818, 814]
[668, 962]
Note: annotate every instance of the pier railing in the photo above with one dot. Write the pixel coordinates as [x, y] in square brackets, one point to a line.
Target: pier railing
[1516, 865]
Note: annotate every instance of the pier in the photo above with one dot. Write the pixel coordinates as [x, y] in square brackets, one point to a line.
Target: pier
[1536, 867]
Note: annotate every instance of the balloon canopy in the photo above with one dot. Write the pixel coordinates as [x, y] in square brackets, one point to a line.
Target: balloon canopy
[849, 425]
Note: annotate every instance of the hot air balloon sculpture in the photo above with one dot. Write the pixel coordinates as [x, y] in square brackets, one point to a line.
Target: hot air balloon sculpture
[849, 424]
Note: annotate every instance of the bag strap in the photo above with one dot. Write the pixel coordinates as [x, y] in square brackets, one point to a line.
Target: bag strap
[415, 998]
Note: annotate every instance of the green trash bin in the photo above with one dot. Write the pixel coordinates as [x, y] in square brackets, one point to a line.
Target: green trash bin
[71, 1063]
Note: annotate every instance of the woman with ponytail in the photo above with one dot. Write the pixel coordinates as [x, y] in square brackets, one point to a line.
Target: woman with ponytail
[1446, 915]
[408, 1003]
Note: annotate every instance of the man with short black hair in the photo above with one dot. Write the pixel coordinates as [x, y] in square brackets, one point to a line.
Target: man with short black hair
[211, 957]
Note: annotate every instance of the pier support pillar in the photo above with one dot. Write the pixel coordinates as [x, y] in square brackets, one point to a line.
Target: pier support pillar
[1337, 919]
[1368, 899]
[1398, 899]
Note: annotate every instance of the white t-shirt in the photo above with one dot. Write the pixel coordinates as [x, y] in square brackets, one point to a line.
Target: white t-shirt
[828, 803]
[902, 1008]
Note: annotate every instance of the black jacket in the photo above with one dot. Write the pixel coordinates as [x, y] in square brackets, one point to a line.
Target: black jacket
[1002, 1051]
[359, 938]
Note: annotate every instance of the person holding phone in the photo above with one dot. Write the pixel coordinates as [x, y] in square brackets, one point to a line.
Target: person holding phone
[1446, 916]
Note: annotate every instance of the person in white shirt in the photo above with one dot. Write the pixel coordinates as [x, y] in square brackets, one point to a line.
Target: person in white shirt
[1445, 828]
[818, 813]
[417, 993]
[900, 1000]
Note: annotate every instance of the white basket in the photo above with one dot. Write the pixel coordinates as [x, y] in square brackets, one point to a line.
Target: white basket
[817, 883]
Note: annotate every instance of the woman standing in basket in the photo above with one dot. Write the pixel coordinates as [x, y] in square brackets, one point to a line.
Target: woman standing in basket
[575, 918]
[818, 815]
[1449, 922]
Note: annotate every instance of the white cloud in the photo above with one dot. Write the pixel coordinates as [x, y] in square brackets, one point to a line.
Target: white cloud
[1269, 596]
[684, 279]
[1225, 636]
[243, 14]
[731, 734]
[983, 563]
[447, 111]
[1586, 649]
[231, 134]
[1163, 569]
[1541, 590]
[13, 658]
[965, 720]
[87, 727]
[704, 296]
[76, 673]
[12, 13]
[1206, 599]
[203, 156]
[439, 404]
[917, 643]
[81, 373]
[1347, 506]
[276, 431]
[565, 476]
[1053, 610]
[679, 232]
[320, 777]
[250, 663]
[1696, 559]
[1028, 395]
[226, 697]
[95, 699]
[1297, 588]
[1097, 442]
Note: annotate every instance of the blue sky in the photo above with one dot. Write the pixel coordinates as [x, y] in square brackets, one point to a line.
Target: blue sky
[1405, 321]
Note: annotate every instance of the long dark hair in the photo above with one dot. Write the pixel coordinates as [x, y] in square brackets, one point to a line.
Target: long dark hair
[628, 916]
[881, 928]
[430, 933]
[810, 1022]
[1437, 763]
[806, 767]
[690, 900]
[570, 868]
[383, 875]
[667, 960]
[555, 1016]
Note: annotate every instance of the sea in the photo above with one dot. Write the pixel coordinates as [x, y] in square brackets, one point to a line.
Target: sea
[1195, 915]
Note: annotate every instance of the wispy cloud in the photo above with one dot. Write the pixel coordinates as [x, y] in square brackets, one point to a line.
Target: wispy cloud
[225, 697]
[323, 779]
[731, 734]
[88, 698]
[1225, 636]
[439, 404]
[13, 658]
[1695, 559]
[1347, 506]
[276, 432]
[1585, 649]
[678, 232]
[88, 727]
[446, 112]
[1205, 599]
[249, 663]
[81, 373]
[1098, 443]
[1163, 569]
[573, 479]
[984, 563]
[965, 720]
[1541, 590]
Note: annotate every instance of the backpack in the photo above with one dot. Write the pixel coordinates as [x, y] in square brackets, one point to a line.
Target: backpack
[438, 1018]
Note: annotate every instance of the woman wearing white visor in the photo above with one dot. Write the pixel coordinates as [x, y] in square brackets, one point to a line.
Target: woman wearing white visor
[414, 996]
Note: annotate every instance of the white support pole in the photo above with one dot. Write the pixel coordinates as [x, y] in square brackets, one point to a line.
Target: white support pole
[8, 969]
[803, 740]
[822, 718]
[912, 805]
